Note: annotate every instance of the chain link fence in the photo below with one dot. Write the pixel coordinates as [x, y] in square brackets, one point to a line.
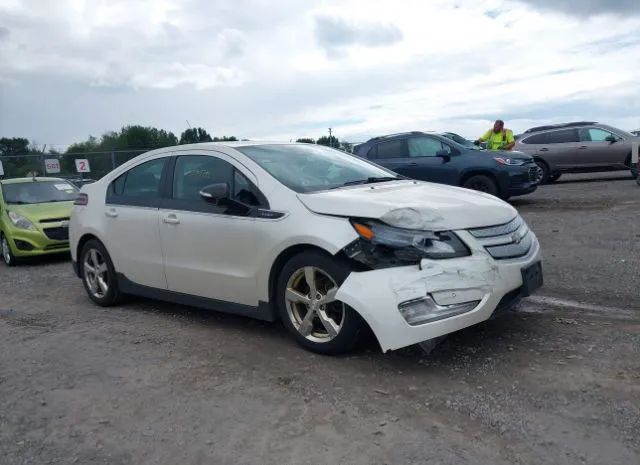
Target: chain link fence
[80, 165]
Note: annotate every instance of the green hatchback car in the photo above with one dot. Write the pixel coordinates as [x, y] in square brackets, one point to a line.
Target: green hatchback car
[34, 217]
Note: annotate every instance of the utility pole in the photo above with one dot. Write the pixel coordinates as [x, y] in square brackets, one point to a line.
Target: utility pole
[330, 138]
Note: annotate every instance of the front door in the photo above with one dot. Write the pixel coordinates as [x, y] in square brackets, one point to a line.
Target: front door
[132, 235]
[430, 166]
[600, 151]
[209, 249]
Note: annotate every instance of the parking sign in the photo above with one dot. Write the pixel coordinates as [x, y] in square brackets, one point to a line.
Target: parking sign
[52, 165]
[82, 165]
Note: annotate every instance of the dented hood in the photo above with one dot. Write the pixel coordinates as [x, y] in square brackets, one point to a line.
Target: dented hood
[430, 206]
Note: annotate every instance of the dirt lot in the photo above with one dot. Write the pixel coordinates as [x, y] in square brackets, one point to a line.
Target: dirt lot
[556, 382]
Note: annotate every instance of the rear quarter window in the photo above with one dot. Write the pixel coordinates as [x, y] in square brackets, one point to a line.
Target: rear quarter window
[535, 139]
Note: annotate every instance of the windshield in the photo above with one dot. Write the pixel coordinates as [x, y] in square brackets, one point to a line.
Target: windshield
[309, 168]
[38, 192]
[462, 141]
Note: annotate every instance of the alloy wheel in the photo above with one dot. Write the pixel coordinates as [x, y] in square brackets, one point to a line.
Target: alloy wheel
[312, 306]
[538, 174]
[96, 273]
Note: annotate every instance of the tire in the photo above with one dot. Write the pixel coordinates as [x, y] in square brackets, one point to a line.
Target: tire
[482, 183]
[315, 332]
[102, 284]
[633, 168]
[544, 179]
[7, 255]
[554, 177]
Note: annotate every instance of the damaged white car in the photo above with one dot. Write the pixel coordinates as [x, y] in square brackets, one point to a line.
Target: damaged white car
[324, 241]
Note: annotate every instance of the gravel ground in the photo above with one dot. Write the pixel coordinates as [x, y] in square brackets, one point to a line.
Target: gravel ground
[557, 382]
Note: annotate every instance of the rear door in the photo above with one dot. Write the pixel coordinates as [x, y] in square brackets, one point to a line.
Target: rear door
[601, 152]
[132, 236]
[393, 155]
[562, 149]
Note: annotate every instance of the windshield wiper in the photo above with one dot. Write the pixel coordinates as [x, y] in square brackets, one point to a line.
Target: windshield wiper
[370, 180]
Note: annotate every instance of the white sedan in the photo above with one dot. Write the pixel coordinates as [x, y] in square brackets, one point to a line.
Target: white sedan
[320, 239]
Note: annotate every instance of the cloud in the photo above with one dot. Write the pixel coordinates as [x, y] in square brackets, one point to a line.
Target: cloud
[588, 7]
[334, 34]
[256, 69]
[4, 33]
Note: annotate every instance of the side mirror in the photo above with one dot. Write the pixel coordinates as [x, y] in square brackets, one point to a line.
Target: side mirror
[214, 193]
[444, 154]
[611, 139]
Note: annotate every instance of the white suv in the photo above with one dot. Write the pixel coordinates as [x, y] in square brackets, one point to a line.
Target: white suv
[327, 242]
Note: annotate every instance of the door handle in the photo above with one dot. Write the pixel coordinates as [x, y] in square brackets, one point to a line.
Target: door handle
[544, 149]
[412, 164]
[582, 147]
[171, 219]
[111, 213]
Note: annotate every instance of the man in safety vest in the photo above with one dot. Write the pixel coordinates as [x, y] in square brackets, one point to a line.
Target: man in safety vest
[498, 138]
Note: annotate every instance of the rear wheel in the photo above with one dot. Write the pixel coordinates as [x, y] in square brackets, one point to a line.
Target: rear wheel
[7, 255]
[482, 183]
[543, 173]
[307, 305]
[98, 274]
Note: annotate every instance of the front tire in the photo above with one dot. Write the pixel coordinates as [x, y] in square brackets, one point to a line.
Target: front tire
[482, 183]
[307, 306]
[98, 274]
[7, 255]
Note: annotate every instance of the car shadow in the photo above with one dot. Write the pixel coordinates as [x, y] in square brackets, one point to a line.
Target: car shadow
[482, 340]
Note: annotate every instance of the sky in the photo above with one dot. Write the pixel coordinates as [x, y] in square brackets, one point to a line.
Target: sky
[284, 69]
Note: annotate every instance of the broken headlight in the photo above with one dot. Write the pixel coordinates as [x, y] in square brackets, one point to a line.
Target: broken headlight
[381, 245]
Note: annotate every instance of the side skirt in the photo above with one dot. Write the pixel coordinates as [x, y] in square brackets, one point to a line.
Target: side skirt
[263, 311]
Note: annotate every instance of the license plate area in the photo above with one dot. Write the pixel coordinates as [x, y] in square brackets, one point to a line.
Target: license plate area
[531, 278]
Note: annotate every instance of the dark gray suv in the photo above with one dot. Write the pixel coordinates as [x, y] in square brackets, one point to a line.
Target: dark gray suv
[578, 147]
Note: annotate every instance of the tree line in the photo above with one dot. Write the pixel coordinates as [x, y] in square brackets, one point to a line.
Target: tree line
[125, 144]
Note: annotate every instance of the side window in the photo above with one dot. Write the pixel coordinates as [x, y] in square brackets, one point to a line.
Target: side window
[563, 136]
[138, 186]
[392, 149]
[425, 147]
[195, 172]
[535, 139]
[595, 135]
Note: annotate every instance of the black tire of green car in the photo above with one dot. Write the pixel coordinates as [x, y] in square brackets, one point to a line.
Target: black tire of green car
[482, 183]
[7, 255]
[352, 325]
[113, 296]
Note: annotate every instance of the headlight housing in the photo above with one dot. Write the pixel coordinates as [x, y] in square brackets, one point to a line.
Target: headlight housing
[20, 221]
[383, 246]
[509, 161]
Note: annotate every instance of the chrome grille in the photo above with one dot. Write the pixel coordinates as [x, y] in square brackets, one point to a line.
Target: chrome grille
[505, 241]
[500, 230]
[512, 250]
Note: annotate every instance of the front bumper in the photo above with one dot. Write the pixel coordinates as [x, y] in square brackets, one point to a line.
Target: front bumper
[377, 294]
[518, 180]
[25, 243]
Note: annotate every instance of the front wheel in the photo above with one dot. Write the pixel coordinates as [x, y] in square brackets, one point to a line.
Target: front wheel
[98, 274]
[482, 183]
[7, 255]
[306, 298]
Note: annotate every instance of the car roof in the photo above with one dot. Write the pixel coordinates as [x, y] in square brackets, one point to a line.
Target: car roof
[26, 180]
[559, 126]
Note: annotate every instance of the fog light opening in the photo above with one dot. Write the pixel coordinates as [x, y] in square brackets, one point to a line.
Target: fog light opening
[425, 310]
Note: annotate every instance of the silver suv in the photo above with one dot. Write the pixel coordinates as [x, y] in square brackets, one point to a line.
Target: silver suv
[577, 148]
